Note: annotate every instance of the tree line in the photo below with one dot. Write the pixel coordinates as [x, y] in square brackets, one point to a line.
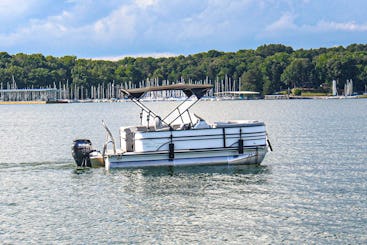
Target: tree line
[267, 69]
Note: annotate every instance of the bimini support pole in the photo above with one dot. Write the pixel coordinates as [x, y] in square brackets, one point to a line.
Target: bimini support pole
[143, 107]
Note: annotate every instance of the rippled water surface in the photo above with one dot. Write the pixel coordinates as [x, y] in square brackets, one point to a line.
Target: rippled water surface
[311, 189]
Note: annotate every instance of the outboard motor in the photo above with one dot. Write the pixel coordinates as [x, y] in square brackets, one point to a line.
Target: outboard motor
[80, 151]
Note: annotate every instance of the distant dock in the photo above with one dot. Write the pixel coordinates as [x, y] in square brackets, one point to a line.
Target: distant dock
[276, 97]
[21, 102]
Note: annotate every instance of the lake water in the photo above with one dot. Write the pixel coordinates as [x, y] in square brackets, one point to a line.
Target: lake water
[311, 189]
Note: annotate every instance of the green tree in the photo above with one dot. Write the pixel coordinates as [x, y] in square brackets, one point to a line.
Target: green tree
[133, 74]
[271, 49]
[5, 59]
[299, 73]
[81, 72]
[252, 80]
[40, 77]
[272, 68]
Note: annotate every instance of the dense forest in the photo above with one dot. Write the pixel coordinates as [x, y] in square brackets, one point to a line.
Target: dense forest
[268, 69]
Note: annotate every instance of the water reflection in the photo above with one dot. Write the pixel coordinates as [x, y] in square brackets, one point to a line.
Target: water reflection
[188, 181]
[194, 170]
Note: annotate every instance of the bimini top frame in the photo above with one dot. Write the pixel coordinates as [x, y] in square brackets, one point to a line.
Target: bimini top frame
[199, 90]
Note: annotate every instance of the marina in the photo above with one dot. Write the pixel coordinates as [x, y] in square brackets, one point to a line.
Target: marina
[111, 92]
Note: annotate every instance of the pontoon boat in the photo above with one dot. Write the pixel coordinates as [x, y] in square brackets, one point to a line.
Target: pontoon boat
[178, 139]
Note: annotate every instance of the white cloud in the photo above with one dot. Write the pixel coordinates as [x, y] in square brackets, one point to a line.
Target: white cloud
[106, 28]
[285, 22]
[205, 21]
[335, 26]
[120, 24]
[145, 55]
[286, 25]
[13, 8]
[117, 25]
[140, 25]
[145, 3]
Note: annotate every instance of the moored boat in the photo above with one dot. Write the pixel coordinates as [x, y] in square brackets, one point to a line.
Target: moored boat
[178, 139]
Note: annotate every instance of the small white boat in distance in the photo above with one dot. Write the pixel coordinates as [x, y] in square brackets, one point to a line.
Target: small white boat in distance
[178, 139]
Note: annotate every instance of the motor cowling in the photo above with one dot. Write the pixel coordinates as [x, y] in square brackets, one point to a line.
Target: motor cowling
[80, 152]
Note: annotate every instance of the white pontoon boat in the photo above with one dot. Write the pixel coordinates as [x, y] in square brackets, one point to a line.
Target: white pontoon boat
[179, 139]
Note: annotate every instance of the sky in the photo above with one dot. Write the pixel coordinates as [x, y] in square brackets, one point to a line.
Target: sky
[112, 29]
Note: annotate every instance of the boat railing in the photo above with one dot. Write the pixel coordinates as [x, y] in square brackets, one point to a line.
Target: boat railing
[109, 139]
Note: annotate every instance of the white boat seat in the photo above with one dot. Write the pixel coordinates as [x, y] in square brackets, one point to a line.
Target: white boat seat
[157, 123]
[238, 123]
[201, 124]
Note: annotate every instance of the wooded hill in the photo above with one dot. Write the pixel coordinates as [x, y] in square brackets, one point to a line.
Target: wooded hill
[268, 69]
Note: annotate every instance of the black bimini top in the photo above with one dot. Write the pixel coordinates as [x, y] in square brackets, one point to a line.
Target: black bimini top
[189, 89]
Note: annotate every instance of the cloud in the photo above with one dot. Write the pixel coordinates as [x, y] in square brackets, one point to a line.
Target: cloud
[145, 3]
[13, 8]
[143, 55]
[120, 24]
[286, 25]
[335, 26]
[109, 28]
[72, 28]
[285, 22]
[199, 24]
[147, 26]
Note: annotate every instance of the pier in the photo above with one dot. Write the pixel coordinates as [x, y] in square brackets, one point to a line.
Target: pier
[28, 94]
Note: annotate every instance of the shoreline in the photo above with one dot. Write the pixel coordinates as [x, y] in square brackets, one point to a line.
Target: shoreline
[277, 97]
[22, 102]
